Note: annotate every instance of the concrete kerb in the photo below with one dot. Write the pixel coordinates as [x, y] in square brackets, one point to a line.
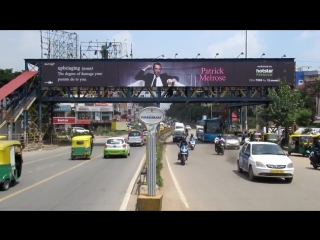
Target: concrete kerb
[145, 202]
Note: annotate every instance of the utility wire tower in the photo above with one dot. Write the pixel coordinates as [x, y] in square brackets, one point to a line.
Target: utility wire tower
[59, 44]
[103, 50]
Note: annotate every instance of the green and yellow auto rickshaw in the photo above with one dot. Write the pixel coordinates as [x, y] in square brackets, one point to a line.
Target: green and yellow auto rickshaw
[10, 163]
[300, 144]
[3, 137]
[81, 146]
[270, 137]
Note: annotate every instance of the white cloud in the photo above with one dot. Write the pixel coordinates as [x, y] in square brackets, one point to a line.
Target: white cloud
[15, 46]
[313, 38]
[234, 45]
[124, 37]
[305, 35]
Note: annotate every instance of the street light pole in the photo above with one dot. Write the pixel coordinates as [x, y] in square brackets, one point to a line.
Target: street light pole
[246, 56]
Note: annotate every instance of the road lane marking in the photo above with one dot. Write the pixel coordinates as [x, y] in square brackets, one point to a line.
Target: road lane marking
[176, 184]
[127, 196]
[41, 159]
[47, 179]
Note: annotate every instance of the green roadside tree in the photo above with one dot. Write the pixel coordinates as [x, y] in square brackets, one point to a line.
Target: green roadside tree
[285, 106]
[304, 117]
[187, 112]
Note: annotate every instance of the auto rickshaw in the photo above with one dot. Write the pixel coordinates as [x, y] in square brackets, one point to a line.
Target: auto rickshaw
[81, 146]
[270, 137]
[10, 163]
[257, 137]
[301, 144]
[3, 137]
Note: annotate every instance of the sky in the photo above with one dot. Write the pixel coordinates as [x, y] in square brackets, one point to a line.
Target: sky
[304, 46]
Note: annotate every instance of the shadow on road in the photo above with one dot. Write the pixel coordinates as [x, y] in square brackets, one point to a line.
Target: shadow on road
[260, 180]
[179, 163]
[79, 159]
[13, 184]
[231, 160]
[311, 168]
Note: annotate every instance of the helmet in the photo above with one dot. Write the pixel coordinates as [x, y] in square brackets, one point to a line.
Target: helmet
[219, 136]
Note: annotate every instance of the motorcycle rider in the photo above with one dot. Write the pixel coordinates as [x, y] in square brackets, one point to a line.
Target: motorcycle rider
[217, 140]
[181, 143]
[191, 137]
[314, 155]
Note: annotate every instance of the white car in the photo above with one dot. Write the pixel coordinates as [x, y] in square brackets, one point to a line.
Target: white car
[265, 159]
[80, 129]
[188, 127]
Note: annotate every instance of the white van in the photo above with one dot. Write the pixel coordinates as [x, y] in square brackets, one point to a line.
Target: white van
[179, 127]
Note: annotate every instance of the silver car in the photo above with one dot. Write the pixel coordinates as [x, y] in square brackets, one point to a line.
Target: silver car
[232, 141]
[135, 137]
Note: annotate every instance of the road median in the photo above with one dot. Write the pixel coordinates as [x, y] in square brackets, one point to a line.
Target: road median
[145, 202]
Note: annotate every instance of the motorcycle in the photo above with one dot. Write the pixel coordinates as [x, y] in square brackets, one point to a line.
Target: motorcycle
[183, 155]
[192, 144]
[220, 148]
[314, 158]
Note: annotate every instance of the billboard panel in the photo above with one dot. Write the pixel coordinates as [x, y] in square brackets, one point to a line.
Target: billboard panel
[79, 73]
[168, 72]
[94, 109]
[63, 108]
[63, 120]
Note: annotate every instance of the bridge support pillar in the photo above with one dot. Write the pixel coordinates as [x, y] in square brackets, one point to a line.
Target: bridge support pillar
[267, 119]
[10, 131]
[39, 115]
[230, 120]
[158, 104]
[51, 122]
[25, 124]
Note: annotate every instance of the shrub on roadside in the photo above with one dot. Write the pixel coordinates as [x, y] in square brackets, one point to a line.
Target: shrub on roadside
[159, 164]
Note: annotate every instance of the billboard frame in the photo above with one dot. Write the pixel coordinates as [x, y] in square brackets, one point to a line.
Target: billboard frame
[166, 60]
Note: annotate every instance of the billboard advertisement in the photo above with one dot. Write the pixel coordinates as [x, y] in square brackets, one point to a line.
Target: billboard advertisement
[63, 108]
[63, 120]
[94, 109]
[167, 72]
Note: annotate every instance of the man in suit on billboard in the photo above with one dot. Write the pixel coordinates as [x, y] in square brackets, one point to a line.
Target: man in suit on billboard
[156, 79]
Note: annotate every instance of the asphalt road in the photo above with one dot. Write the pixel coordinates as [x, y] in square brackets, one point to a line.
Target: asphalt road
[211, 182]
[51, 181]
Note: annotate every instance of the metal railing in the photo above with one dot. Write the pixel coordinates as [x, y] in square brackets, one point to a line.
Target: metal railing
[30, 140]
[25, 103]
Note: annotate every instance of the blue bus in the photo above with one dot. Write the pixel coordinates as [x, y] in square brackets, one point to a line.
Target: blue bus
[208, 129]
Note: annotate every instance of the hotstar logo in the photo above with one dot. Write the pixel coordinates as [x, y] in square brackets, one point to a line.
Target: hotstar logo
[264, 72]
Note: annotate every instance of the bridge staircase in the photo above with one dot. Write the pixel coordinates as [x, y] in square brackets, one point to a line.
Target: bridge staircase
[13, 114]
